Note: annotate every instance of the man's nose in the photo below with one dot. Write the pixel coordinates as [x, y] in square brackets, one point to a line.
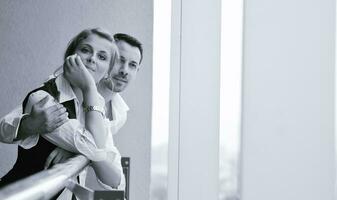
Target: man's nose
[123, 70]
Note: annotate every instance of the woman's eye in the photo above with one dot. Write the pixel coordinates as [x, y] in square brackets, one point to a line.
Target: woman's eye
[122, 60]
[102, 57]
[84, 50]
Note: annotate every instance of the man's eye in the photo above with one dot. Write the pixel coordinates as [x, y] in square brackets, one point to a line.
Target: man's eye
[133, 66]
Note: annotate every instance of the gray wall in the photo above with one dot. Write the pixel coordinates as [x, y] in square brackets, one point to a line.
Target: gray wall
[34, 35]
[288, 100]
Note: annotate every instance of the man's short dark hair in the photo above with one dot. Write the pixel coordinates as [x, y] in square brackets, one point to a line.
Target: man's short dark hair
[131, 41]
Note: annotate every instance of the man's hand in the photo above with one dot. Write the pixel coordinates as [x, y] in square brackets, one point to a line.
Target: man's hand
[58, 155]
[42, 120]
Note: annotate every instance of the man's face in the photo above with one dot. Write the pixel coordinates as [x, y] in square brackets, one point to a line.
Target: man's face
[125, 71]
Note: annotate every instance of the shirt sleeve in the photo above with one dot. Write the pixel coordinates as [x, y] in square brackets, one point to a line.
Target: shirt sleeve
[72, 135]
[115, 158]
[9, 126]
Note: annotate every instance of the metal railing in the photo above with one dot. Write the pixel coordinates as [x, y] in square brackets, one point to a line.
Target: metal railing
[45, 184]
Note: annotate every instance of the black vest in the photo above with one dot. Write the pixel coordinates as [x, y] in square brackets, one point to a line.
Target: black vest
[31, 161]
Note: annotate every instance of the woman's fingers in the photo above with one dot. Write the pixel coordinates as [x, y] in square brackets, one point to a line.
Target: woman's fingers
[58, 158]
[68, 61]
[58, 155]
[80, 64]
[50, 158]
[66, 66]
[72, 61]
[75, 62]
[78, 60]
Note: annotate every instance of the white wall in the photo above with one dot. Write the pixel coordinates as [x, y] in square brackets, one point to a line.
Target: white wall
[288, 100]
[34, 35]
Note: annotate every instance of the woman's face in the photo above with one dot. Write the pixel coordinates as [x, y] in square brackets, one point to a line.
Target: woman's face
[95, 53]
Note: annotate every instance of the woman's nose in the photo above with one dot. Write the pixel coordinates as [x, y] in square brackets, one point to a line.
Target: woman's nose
[91, 59]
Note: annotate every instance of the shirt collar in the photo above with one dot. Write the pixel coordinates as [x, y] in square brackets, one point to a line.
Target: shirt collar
[64, 87]
[118, 103]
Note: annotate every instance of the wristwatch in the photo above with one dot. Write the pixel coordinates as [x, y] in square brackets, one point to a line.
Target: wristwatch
[94, 108]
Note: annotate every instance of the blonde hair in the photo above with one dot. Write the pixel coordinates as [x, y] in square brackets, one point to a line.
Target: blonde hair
[72, 45]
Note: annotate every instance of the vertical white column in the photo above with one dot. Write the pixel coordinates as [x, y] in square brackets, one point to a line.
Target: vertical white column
[174, 116]
[160, 98]
[194, 110]
[230, 99]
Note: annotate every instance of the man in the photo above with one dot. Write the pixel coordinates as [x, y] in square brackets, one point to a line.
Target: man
[23, 129]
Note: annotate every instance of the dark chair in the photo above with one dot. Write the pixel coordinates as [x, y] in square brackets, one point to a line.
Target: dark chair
[126, 171]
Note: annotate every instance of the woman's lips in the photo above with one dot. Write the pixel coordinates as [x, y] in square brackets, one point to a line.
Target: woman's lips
[91, 68]
[120, 79]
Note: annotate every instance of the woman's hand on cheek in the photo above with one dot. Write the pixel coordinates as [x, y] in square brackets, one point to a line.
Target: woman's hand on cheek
[77, 74]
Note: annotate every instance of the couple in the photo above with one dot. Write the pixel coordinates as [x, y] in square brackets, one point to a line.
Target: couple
[77, 111]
